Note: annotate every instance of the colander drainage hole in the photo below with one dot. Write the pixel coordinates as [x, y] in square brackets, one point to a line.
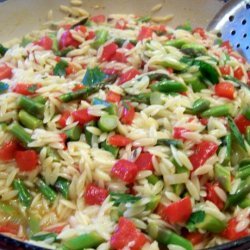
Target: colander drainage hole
[233, 32]
[245, 35]
[231, 18]
[247, 47]
[244, 21]
[247, 6]
[238, 45]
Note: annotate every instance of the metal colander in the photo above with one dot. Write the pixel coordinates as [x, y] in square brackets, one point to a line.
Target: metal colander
[233, 23]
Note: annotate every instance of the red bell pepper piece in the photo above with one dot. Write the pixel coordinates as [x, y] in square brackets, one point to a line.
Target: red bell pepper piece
[242, 123]
[177, 212]
[108, 52]
[8, 150]
[67, 40]
[90, 35]
[225, 70]
[82, 116]
[119, 140]
[179, 133]
[26, 89]
[125, 170]
[227, 46]
[204, 121]
[201, 32]
[81, 28]
[128, 75]
[159, 29]
[144, 162]
[230, 232]
[127, 234]
[119, 57]
[238, 73]
[45, 42]
[129, 46]
[98, 19]
[213, 196]
[26, 160]
[95, 195]
[54, 229]
[64, 116]
[195, 237]
[78, 87]
[71, 69]
[202, 152]
[225, 89]
[145, 33]
[9, 227]
[5, 72]
[113, 97]
[128, 113]
[121, 24]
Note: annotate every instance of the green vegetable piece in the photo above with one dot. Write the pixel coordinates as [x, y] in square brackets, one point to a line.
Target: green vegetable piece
[178, 189]
[3, 87]
[236, 133]
[186, 26]
[93, 76]
[245, 203]
[25, 41]
[200, 105]
[122, 198]
[108, 123]
[195, 218]
[154, 202]
[120, 41]
[40, 99]
[31, 106]
[112, 109]
[248, 135]
[246, 113]
[141, 98]
[174, 64]
[74, 133]
[238, 153]
[53, 37]
[60, 68]
[143, 19]
[169, 142]
[240, 193]
[223, 176]
[244, 162]
[100, 39]
[168, 86]
[53, 153]
[44, 236]
[193, 49]
[228, 143]
[209, 72]
[211, 224]
[29, 121]
[153, 179]
[88, 240]
[243, 172]
[3, 126]
[3, 50]
[81, 22]
[46, 190]
[156, 98]
[218, 111]
[23, 193]
[34, 225]
[112, 149]
[195, 81]
[114, 214]
[177, 43]
[19, 132]
[62, 186]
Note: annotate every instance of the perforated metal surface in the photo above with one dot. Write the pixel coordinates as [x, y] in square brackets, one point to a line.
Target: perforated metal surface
[233, 23]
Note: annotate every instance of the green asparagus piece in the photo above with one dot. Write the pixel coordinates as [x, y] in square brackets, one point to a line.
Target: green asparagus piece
[29, 121]
[46, 190]
[34, 225]
[112, 149]
[62, 186]
[228, 143]
[245, 203]
[143, 19]
[101, 38]
[154, 202]
[74, 133]
[108, 123]
[173, 63]
[195, 82]
[44, 236]
[120, 41]
[217, 111]
[244, 162]
[141, 98]
[177, 43]
[246, 113]
[19, 132]
[193, 49]
[209, 72]
[23, 193]
[248, 135]
[243, 172]
[156, 98]
[223, 176]
[168, 86]
[169, 142]
[3, 126]
[39, 99]
[200, 105]
[60, 68]
[153, 179]
[31, 106]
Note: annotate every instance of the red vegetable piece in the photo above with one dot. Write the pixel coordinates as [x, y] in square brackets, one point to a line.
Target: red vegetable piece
[204, 121]
[121, 24]
[98, 19]
[230, 232]
[128, 75]
[129, 46]
[82, 116]
[81, 28]
[119, 57]
[159, 29]
[202, 152]
[225, 70]
[67, 40]
[90, 35]
[127, 235]
[144, 162]
[9, 227]
[5, 72]
[201, 32]
[128, 113]
[64, 116]
[242, 123]
[8, 150]
[225, 89]
[177, 212]
[213, 196]
[78, 87]
[227, 46]
[108, 52]
[26, 160]
[45, 42]
[238, 58]
[238, 73]
[125, 170]
[179, 133]
[95, 195]
[119, 140]
[194, 237]
[113, 97]
[26, 89]
[145, 33]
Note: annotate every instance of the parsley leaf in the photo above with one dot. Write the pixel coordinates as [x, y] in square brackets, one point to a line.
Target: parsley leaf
[3, 50]
[119, 198]
[60, 68]
[194, 219]
[93, 76]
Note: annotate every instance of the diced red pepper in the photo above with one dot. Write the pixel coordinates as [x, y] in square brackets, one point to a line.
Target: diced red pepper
[248, 78]
[67, 40]
[177, 212]
[201, 32]
[179, 133]
[45, 42]
[26, 160]
[8, 150]
[95, 195]
[230, 232]
[125, 170]
[113, 97]
[121, 24]
[225, 70]
[213, 196]
[66, 26]
[119, 57]
[195, 237]
[64, 116]
[127, 235]
[242, 123]
[111, 71]
[9, 227]
[78, 87]
[227, 46]
[202, 152]
[82, 116]
[90, 35]
[204, 121]
[128, 75]
[26, 89]
[54, 229]
[128, 113]
[159, 29]
[108, 52]
[5, 72]
[225, 89]
[98, 19]
[81, 28]
[129, 46]
[145, 33]
[144, 161]
[119, 140]
[71, 69]
[238, 73]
